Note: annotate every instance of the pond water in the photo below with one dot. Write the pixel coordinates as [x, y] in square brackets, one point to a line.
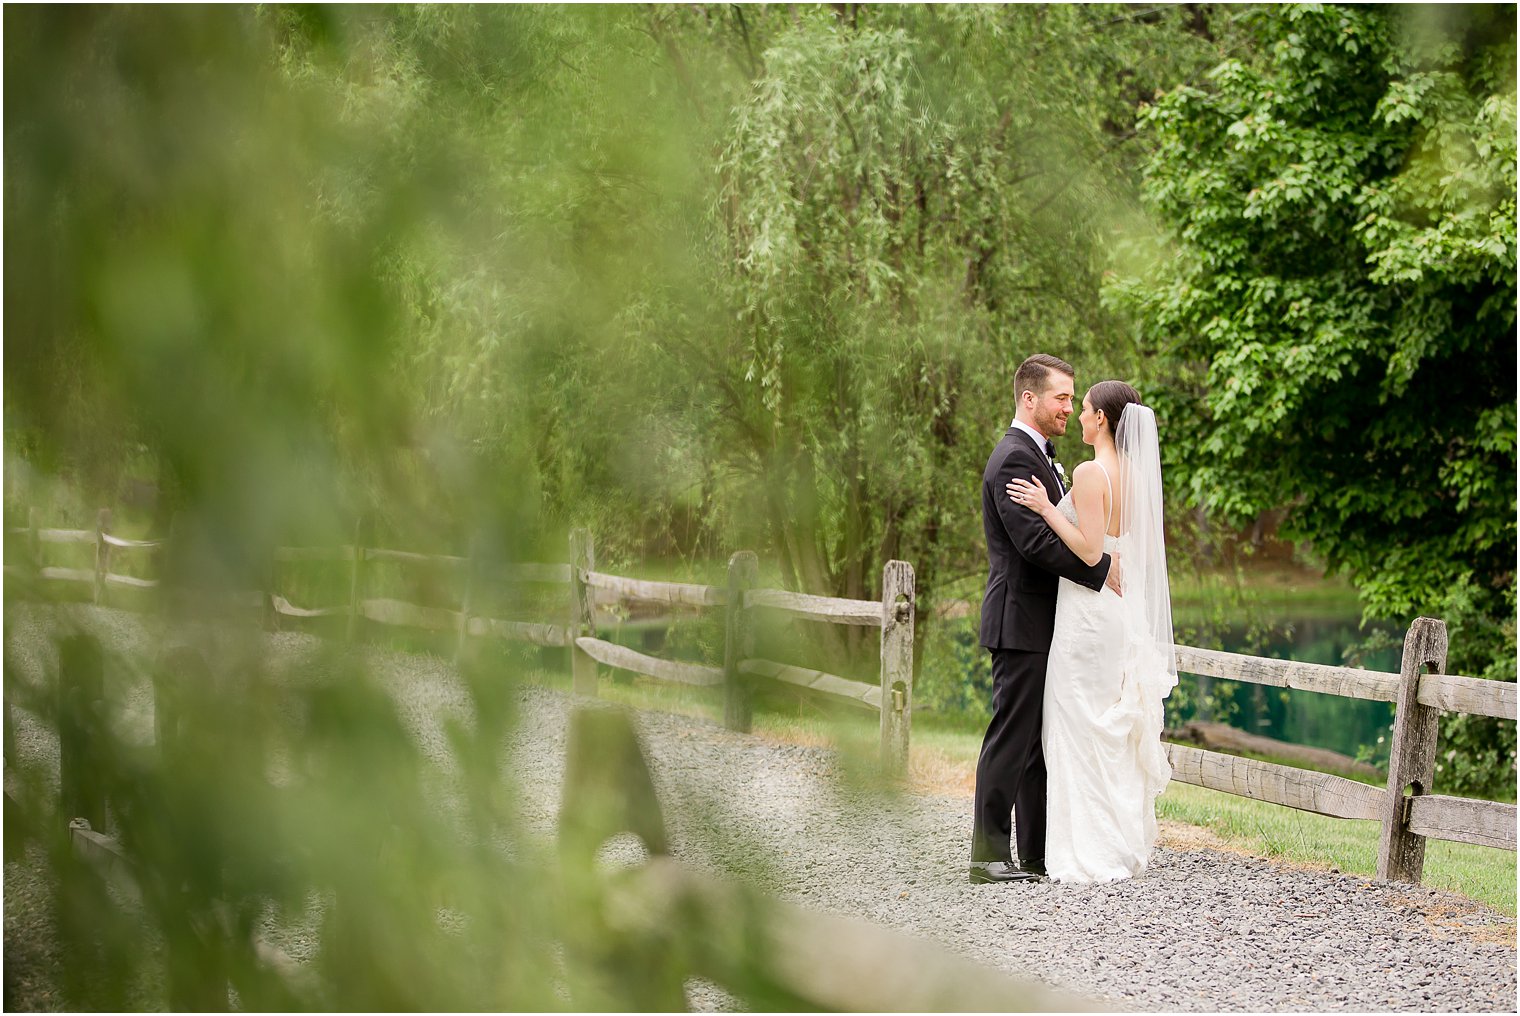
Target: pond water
[1301, 717]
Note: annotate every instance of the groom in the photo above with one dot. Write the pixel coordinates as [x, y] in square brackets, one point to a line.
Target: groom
[1018, 617]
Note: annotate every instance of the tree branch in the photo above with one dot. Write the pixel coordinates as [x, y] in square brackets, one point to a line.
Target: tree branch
[1074, 177]
[683, 73]
[737, 10]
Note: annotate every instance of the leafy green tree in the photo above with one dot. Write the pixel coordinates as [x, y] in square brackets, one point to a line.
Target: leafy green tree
[913, 200]
[769, 270]
[1333, 311]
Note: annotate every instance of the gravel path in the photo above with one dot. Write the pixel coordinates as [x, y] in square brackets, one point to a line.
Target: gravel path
[1202, 930]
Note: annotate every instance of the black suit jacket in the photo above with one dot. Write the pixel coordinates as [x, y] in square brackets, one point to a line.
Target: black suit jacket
[1025, 555]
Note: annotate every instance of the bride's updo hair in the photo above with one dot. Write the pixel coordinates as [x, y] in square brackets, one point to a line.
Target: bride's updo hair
[1111, 397]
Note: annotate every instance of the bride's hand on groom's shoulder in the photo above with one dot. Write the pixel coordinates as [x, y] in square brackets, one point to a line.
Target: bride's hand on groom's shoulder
[1030, 495]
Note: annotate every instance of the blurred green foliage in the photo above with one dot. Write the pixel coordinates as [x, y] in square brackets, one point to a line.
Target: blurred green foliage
[230, 231]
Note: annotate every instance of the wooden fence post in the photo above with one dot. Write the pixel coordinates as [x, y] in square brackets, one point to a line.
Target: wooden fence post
[608, 789]
[102, 552]
[356, 582]
[1412, 756]
[738, 640]
[464, 603]
[198, 977]
[181, 680]
[81, 687]
[898, 606]
[583, 616]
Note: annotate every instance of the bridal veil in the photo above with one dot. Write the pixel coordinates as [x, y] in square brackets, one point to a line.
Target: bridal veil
[1147, 597]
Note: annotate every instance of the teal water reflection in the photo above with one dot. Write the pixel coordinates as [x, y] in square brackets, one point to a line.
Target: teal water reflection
[1300, 717]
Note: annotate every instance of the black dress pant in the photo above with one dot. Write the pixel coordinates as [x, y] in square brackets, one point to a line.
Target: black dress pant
[1010, 772]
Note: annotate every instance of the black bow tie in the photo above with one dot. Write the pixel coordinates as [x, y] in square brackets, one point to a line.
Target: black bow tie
[1050, 450]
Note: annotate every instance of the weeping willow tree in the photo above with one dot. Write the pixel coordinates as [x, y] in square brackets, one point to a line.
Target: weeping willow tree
[913, 200]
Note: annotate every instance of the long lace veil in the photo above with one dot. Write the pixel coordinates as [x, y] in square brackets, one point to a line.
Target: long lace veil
[1147, 598]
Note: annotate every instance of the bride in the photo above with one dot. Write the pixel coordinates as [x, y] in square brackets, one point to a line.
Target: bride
[1111, 660]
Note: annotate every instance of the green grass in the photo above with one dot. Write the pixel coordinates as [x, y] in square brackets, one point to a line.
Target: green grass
[1197, 596]
[944, 760]
[1485, 874]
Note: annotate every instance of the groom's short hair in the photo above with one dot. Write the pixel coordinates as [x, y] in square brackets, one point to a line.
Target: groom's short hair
[1033, 374]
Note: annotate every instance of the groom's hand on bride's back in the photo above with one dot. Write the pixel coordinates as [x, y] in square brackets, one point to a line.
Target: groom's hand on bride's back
[1113, 579]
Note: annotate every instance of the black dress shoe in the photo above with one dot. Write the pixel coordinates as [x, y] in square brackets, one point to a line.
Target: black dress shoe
[1036, 867]
[983, 872]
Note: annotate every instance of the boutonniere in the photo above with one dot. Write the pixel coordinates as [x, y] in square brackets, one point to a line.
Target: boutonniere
[1060, 471]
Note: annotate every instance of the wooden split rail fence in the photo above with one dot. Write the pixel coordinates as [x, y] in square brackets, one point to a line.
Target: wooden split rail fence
[104, 542]
[894, 613]
[1406, 810]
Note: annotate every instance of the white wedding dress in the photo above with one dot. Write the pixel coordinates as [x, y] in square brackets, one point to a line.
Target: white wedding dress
[1102, 734]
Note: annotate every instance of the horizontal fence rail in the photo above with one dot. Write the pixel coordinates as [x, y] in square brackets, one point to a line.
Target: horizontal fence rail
[410, 557]
[86, 576]
[63, 535]
[614, 655]
[130, 581]
[649, 591]
[1487, 823]
[68, 574]
[117, 541]
[1321, 793]
[866, 613]
[1452, 694]
[284, 608]
[1447, 692]
[401, 614]
[1344, 681]
[841, 688]
[1406, 809]
[547, 635]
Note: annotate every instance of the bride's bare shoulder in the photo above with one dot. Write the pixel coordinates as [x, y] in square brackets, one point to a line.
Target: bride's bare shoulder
[1087, 472]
